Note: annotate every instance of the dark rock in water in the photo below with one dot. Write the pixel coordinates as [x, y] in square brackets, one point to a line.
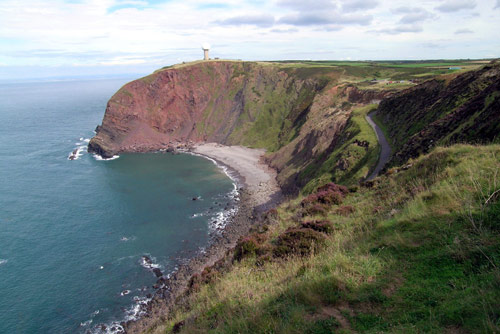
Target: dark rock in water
[73, 154]
[125, 292]
[149, 295]
[157, 272]
[147, 260]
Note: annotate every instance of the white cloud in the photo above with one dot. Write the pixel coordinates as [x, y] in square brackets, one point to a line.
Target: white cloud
[463, 31]
[455, 5]
[359, 5]
[87, 32]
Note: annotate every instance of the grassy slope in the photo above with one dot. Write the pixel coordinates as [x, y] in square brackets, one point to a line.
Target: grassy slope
[356, 161]
[420, 254]
[417, 251]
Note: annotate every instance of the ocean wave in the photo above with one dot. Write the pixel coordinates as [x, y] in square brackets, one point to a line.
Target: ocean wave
[3, 261]
[148, 262]
[86, 324]
[134, 312]
[99, 158]
[124, 292]
[111, 328]
[220, 220]
[201, 214]
[80, 148]
[76, 153]
[125, 239]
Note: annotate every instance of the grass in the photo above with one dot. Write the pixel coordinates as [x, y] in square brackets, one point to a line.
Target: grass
[419, 254]
[356, 159]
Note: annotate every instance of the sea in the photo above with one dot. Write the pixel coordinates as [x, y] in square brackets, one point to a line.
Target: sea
[79, 239]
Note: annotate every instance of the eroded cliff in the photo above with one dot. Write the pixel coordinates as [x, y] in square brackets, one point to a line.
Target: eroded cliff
[297, 114]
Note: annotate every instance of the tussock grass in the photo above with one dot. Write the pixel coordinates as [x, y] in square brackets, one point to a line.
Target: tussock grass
[419, 254]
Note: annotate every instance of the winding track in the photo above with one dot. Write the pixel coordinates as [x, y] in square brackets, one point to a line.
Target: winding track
[385, 153]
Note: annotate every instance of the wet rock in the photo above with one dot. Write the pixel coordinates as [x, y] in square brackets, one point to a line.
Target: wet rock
[157, 272]
[147, 260]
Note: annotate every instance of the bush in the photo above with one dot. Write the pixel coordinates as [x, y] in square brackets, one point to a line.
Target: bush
[334, 188]
[249, 245]
[316, 209]
[345, 210]
[330, 197]
[323, 226]
[330, 193]
[300, 241]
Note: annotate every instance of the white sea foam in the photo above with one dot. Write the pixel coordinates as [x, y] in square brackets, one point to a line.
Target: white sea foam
[89, 322]
[86, 323]
[99, 158]
[196, 215]
[149, 265]
[80, 148]
[124, 292]
[125, 239]
[3, 261]
[220, 219]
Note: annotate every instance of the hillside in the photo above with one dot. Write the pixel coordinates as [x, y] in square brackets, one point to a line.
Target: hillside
[416, 250]
[305, 114]
[444, 111]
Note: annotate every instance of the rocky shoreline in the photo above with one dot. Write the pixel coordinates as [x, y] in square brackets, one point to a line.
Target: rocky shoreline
[255, 198]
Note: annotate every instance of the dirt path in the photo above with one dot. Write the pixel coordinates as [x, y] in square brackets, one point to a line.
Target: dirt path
[385, 153]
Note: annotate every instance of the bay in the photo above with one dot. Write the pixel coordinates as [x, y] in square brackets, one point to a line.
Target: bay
[73, 233]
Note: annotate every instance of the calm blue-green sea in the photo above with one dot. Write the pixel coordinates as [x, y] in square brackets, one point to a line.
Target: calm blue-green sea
[73, 233]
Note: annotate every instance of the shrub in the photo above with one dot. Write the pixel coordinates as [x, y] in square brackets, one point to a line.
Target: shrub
[330, 197]
[330, 193]
[309, 200]
[248, 246]
[334, 188]
[345, 210]
[323, 226]
[300, 241]
[316, 209]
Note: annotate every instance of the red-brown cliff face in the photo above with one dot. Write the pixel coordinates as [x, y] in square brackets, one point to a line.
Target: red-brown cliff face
[202, 102]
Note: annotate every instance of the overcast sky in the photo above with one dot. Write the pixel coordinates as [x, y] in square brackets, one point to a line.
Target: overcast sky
[77, 37]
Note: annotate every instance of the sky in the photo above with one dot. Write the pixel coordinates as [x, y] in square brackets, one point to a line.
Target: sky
[56, 38]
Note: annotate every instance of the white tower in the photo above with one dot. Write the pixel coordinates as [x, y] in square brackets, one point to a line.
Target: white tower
[205, 47]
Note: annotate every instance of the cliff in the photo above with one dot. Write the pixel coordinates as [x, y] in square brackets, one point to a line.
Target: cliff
[443, 111]
[296, 113]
